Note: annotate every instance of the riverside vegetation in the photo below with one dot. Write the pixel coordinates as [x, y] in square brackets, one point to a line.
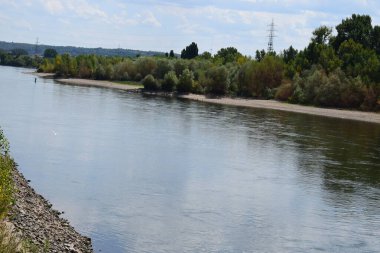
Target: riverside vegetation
[341, 70]
[8, 241]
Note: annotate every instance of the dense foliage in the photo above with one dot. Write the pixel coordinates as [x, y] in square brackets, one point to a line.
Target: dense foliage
[332, 71]
[18, 58]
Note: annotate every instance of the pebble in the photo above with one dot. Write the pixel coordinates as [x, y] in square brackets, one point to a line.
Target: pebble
[33, 217]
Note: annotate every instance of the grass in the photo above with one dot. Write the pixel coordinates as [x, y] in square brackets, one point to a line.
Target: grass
[132, 83]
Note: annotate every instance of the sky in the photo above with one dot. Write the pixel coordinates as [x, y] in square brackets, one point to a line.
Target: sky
[164, 25]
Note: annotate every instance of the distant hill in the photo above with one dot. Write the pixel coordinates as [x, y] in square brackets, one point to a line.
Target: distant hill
[31, 49]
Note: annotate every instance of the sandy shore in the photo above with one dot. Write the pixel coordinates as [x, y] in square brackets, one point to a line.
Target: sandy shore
[276, 105]
[253, 103]
[43, 75]
[97, 83]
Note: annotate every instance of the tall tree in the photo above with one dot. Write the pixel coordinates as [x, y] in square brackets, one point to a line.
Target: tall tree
[357, 27]
[229, 54]
[190, 51]
[376, 39]
[289, 54]
[260, 55]
[50, 53]
[322, 35]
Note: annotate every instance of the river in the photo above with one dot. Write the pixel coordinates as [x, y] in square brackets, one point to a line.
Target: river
[141, 173]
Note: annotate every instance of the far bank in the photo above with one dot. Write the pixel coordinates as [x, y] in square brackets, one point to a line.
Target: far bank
[250, 103]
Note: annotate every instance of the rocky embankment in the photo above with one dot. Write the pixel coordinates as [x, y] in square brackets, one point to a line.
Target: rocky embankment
[33, 217]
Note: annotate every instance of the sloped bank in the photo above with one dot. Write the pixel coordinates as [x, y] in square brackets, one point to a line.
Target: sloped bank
[33, 218]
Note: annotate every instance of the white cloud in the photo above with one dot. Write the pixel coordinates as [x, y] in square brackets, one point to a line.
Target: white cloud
[150, 19]
[81, 8]
[85, 9]
[53, 6]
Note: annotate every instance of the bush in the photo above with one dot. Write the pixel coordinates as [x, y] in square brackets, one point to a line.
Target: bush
[255, 77]
[217, 81]
[170, 81]
[146, 65]
[329, 91]
[285, 91]
[163, 67]
[150, 83]
[370, 100]
[186, 81]
[6, 185]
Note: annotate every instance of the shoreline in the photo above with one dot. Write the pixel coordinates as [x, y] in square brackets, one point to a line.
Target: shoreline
[370, 117]
[34, 220]
[97, 83]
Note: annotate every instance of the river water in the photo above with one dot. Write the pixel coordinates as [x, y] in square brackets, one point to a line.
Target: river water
[149, 174]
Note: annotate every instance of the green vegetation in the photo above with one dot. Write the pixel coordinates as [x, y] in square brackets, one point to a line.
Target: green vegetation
[7, 242]
[18, 58]
[332, 71]
[50, 53]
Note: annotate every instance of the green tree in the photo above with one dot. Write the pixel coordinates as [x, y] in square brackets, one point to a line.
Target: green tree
[170, 81]
[190, 51]
[259, 55]
[18, 51]
[171, 54]
[186, 81]
[322, 35]
[217, 80]
[150, 83]
[163, 67]
[146, 65]
[289, 54]
[376, 39]
[229, 54]
[258, 79]
[50, 53]
[357, 27]
[206, 55]
[359, 61]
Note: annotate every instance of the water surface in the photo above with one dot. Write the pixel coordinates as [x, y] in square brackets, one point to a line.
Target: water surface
[148, 174]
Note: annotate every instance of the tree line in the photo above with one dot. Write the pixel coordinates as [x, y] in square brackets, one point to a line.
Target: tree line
[341, 70]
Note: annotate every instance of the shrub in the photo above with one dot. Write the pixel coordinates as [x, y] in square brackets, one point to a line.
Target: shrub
[163, 67]
[255, 77]
[150, 83]
[186, 81]
[217, 81]
[285, 91]
[146, 65]
[170, 81]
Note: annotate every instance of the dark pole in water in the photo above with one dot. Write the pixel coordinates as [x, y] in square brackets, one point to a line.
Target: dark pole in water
[35, 79]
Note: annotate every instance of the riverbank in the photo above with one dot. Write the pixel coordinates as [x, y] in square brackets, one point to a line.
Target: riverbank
[282, 106]
[251, 103]
[33, 217]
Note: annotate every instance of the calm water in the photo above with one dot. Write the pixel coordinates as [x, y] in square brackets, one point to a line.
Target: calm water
[150, 174]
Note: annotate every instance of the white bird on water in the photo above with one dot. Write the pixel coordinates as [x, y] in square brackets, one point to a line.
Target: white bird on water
[55, 133]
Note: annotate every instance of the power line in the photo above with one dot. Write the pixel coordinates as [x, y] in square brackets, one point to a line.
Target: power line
[36, 47]
[271, 35]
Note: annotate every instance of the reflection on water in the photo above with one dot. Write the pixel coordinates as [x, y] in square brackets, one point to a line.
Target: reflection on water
[147, 174]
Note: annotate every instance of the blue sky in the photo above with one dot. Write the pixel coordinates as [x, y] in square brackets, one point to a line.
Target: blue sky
[162, 25]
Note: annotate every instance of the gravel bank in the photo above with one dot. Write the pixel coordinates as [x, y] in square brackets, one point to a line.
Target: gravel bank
[33, 217]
